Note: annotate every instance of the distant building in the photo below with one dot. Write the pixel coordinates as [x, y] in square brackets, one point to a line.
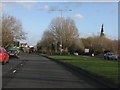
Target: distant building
[35, 48]
[25, 47]
[101, 40]
[102, 32]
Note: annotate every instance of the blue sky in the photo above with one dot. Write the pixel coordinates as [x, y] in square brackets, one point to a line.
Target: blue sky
[88, 16]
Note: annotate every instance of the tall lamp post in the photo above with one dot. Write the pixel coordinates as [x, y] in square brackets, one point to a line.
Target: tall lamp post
[0, 24]
[61, 42]
[0, 31]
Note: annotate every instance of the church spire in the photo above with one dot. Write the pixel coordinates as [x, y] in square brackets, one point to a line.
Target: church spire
[102, 32]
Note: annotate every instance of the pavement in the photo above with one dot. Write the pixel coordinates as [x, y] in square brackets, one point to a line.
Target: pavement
[34, 71]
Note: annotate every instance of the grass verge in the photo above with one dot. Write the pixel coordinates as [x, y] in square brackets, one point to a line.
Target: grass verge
[98, 66]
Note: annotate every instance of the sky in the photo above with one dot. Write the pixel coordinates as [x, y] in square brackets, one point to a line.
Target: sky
[88, 16]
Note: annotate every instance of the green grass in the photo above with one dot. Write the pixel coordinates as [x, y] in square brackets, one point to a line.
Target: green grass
[104, 68]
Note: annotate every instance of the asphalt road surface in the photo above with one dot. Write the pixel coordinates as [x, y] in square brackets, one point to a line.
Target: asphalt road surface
[34, 71]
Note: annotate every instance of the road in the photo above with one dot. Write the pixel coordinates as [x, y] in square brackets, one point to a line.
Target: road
[34, 71]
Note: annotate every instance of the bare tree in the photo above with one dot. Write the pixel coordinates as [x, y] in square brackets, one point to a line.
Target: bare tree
[63, 34]
[11, 30]
[47, 41]
[119, 47]
[98, 44]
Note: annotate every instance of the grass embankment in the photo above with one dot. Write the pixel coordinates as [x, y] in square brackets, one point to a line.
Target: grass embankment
[104, 68]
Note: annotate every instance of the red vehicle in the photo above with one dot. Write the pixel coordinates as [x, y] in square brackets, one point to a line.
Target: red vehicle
[4, 57]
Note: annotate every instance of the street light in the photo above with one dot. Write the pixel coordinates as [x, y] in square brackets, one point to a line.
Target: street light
[61, 45]
[61, 10]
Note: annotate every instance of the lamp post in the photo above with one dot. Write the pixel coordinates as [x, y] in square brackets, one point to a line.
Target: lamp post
[61, 42]
[0, 29]
[0, 35]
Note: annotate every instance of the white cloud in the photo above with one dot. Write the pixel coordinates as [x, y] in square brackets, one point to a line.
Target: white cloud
[53, 8]
[78, 16]
[48, 8]
[27, 6]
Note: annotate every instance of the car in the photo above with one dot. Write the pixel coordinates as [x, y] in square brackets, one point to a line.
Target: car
[4, 57]
[76, 53]
[110, 56]
[13, 53]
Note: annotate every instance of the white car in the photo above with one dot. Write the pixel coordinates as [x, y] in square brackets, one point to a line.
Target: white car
[110, 56]
[76, 54]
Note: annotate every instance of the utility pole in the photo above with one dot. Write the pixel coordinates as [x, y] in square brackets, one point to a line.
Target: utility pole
[0, 31]
[61, 42]
[0, 24]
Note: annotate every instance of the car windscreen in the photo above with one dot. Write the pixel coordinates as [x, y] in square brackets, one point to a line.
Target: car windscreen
[13, 51]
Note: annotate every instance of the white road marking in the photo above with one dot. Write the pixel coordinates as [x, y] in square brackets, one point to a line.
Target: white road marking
[14, 71]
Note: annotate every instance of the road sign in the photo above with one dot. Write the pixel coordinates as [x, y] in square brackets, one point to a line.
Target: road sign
[86, 50]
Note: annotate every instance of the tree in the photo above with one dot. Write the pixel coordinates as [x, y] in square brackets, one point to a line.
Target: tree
[47, 41]
[119, 46]
[98, 44]
[11, 30]
[63, 35]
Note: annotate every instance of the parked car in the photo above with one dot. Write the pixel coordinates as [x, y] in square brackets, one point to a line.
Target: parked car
[13, 53]
[4, 57]
[76, 53]
[110, 56]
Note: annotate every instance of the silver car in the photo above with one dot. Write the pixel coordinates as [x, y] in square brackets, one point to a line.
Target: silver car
[110, 56]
